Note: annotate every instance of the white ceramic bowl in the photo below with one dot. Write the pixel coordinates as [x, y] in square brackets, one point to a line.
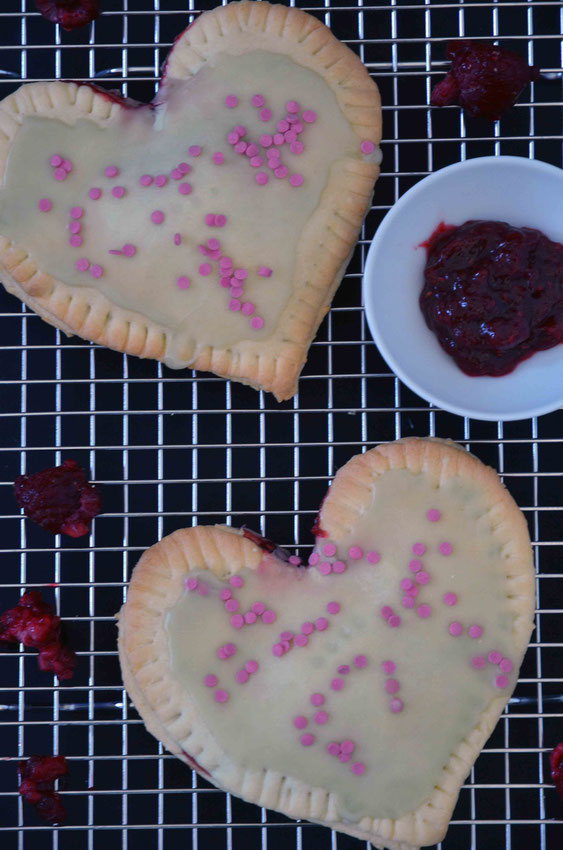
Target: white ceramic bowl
[520, 191]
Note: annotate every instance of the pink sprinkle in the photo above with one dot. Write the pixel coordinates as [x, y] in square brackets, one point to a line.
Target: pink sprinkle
[316, 700]
[333, 749]
[250, 618]
[241, 676]
[329, 549]
[255, 161]
[225, 594]
[240, 130]
[76, 212]
[145, 180]
[194, 150]
[358, 768]
[240, 274]
[82, 265]
[307, 740]
[301, 640]
[268, 617]
[337, 684]
[321, 624]
[95, 193]
[236, 292]
[406, 584]
[220, 220]
[501, 681]
[314, 556]
[355, 553]
[277, 650]
[281, 172]
[75, 240]
[192, 583]
[478, 662]
[293, 559]
[176, 174]
[177, 239]
[450, 598]
[203, 588]
[59, 174]
[391, 686]
[422, 577]
[230, 649]
[307, 628]
[278, 138]
[231, 605]
[286, 636]
[257, 100]
[45, 205]
[232, 138]
[433, 515]
[407, 602]
[394, 622]
[290, 137]
[343, 670]
[300, 722]
[292, 107]
[320, 717]
[372, 557]
[415, 565]
[218, 158]
[257, 607]
[296, 147]
[256, 323]
[338, 567]
[184, 188]
[231, 101]
[412, 591]
[282, 126]
[236, 581]
[367, 147]
[505, 665]
[266, 140]
[347, 747]
[360, 661]
[111, 171]
[396, 705]
[67, 165]
[248, 309]
[129, 250]
[296, 179]
[118, 191]
[220, 696]
[418, 548]
[234, 305]
[237, 621]
[184, 168]
[221, 654]
[56, 160]
[204, 269]
[252, 151]
[309, 117]
[160, 180]
[251, 666]
[344, 757]
[423, 611]
[210, 220]
[210, 680]
[213, 244]
[265, 114]
[386, 612]
[76, 227]
[494, 657]
[225, 263]
[332, 608]
[388, 667]
[240, 147]
[455, 629]
[474, 632]
[445, 548]
[157, 217]
[261, 178]
[297, 127]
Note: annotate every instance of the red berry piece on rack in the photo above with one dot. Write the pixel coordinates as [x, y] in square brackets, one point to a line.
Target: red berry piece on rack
[59, 499]
[556, 762]
[34, 623]
[484, 79]
[37, 785]
[70, 14]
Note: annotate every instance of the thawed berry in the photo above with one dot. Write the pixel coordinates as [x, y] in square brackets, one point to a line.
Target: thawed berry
[70, 14]
[556, 762]
[37, 778]
[59, 499]
[486, 80]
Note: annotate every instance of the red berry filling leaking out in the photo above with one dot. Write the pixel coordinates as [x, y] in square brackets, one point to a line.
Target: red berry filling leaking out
[486, 80]
[70, 14]
[37, 777]
[34, 623]
[59, 499]
[556, 762]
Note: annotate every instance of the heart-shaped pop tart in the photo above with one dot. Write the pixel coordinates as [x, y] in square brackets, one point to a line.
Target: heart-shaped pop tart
[356, 692]
[210, 228]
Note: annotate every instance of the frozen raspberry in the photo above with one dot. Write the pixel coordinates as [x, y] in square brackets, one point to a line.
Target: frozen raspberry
[556, 762]
[59, 499]
[37, 777]
[34, 623]
[486, 80]
[70, 14]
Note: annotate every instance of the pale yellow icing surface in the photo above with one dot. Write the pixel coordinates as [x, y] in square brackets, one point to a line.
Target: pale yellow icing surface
[263, 223]
[443, 695]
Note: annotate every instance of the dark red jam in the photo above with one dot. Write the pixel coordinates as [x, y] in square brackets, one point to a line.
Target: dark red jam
[37, 778]
[556, 763]
[70, 14]
[493, 294]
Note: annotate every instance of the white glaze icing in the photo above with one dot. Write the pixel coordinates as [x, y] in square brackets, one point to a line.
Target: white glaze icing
[443, 695]
[263, 223]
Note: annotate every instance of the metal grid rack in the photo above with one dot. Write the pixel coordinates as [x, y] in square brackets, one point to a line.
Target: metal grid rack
[172, 449]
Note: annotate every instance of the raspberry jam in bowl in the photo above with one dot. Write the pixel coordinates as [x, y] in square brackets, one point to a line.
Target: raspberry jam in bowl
[521, 373]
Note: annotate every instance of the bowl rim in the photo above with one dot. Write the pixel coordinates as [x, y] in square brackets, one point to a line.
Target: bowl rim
[385, 225]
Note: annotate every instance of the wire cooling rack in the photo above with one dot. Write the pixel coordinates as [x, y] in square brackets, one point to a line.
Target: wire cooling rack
[172, 449]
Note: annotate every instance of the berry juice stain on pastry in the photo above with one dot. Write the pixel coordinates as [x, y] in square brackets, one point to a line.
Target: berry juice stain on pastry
[493, 294]
[485, 80]
[356, 691]
[211, 227]
[70, 14]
